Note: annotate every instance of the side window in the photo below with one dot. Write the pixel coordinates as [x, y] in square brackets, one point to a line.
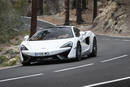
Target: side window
[87, 40]
[77, 32]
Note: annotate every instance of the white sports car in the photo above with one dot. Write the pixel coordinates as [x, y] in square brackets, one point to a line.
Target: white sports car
[64, 42]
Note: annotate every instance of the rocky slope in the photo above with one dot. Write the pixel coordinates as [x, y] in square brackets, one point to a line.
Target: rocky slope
[113, 17]
[9, 52]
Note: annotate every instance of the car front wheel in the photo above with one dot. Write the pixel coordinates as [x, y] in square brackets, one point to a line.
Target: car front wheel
[94, 49]
[26, 61]
[78, 52]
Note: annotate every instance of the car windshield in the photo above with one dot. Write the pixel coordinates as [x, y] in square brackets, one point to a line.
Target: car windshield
[52, 34]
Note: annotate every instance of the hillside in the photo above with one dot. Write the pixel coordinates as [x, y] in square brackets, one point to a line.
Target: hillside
[113, 17]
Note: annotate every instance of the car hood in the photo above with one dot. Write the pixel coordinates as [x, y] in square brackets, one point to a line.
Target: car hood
[46, 45]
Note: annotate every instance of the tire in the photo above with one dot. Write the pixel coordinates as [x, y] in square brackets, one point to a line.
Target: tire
[78, 52]
[94, 49]
[26, 62]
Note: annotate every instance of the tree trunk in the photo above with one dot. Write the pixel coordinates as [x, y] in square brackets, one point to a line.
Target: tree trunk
[33, 18]
[79, 12]
[74, 4]
[94, 9]
[67, 22]
[39, 7]
[84, 5]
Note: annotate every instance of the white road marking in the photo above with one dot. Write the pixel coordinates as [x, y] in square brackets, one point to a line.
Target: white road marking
[107, 82]
[44, 21]
[71, 68]
[22, 77]
[41, 20]
[114, 36]
[106, 39]
[10, 67]
[126, 40]
[114, 58]
[116, 39]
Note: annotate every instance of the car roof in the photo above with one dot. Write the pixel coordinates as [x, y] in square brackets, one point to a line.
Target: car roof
[56, 27]
[61, 27]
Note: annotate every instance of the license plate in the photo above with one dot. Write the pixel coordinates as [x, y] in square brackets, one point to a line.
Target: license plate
[42, 54]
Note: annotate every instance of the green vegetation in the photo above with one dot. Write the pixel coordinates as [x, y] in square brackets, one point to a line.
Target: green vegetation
[8, 21]
[44, 9]
[1, 49]
[4, 61]
[10, 15]
[10, 56]
[20, 6]
[10, 12]
[10, 34]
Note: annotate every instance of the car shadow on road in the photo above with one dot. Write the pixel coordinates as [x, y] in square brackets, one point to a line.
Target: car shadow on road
[53, 62]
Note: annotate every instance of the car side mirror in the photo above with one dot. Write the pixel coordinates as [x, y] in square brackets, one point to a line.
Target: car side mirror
[26, 38]
[82, 33]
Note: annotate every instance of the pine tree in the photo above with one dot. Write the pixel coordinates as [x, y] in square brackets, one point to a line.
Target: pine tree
[33, 18]
[39, 7]
[67, 12]
[84, 4]
[94, 9]
[79, 12]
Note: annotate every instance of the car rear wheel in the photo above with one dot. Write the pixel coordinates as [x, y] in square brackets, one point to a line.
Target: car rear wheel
[94, 49]
[78, 52]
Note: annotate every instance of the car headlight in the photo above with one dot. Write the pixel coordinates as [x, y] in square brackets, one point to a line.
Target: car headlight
[69, 44]
[23, 47]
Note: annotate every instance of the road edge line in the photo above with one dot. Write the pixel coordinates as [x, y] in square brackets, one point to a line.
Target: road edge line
[41, 20]
[9, 67]
[107, 82]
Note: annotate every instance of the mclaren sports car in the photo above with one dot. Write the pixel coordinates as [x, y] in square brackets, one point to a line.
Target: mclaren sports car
[62, 42]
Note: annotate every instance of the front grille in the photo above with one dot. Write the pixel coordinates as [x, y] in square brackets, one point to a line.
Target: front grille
[63, 55]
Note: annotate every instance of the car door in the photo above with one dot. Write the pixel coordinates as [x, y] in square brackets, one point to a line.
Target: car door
[83, 39]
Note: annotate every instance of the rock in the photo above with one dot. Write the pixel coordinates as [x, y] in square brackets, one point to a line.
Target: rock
[4, 61]
[112, 19]
[11, 52]
[12, 61]
[99, 3]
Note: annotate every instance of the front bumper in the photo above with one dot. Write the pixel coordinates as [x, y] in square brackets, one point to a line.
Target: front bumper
[57, 54]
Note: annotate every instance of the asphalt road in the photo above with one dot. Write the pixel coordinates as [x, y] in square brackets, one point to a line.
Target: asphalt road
[111, 68]
[41, 24]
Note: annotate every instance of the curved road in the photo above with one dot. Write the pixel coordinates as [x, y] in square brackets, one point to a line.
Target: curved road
[111, 68]
[41, 24]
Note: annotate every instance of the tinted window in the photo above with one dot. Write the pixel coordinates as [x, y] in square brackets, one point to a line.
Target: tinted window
[87, 40]
[52, 34]
[77, 32]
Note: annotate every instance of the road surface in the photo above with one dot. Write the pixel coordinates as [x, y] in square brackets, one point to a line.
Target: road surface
[41, 24]
[111, 68]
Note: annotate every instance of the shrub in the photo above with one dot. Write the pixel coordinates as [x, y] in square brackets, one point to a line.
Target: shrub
[10, 18]
[3, 59]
